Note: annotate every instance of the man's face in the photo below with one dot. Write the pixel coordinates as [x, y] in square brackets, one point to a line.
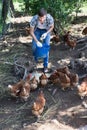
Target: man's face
[42, 19]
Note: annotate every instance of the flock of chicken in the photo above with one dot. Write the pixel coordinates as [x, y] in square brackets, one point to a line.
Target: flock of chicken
[67, 39]
[61, 76]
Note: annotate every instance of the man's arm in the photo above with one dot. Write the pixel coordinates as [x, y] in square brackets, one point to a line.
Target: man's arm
[32, 34]
[50, 29]
[34, 37]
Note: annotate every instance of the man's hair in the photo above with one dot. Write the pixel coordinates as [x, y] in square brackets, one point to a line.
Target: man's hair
[42, 12]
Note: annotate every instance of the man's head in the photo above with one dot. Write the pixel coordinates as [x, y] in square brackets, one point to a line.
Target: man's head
[42, 15]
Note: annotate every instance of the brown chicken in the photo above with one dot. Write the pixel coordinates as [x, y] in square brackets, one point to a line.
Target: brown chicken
[28, 77]
[84, 32]
[43, 79]
[64, 70]
[55, 38]
[54, 78]
[39, 104]
[82, 88]
[64, 80]
[74, 79]
[28, 31]
[33, 83]
[15, 89]
[68, 41]
[25, 90]
[71, 43]
[66, 35]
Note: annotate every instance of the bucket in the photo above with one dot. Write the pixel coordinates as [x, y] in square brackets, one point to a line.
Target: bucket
[42, 52]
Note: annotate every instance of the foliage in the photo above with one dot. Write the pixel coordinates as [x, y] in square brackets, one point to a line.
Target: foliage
[60, 9]
[19, 5]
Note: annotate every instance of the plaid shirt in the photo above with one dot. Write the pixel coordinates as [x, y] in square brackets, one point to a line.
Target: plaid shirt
[49, 21]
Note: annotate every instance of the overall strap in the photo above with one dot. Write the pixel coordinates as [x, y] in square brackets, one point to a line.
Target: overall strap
[47, 22]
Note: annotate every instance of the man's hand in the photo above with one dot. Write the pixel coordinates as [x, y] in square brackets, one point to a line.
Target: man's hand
[39, 44]
[43, 36]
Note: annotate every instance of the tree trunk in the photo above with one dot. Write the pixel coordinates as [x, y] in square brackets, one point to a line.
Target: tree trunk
[12, 6]
[7, 9]
[5, 4]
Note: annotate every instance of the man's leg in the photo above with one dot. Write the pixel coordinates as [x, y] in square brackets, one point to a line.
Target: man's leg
[46, 60]
[46, 43]
[34, 45]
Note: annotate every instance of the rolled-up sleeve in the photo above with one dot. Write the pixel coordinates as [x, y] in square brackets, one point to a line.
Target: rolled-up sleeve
[51, 21]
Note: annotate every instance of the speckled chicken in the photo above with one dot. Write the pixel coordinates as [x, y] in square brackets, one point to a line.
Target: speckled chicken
[82, 88]
[39, 104]
[43, 79]
[15, 89]
[33, 83]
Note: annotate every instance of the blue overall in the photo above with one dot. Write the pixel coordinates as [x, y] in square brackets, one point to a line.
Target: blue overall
[41, 52]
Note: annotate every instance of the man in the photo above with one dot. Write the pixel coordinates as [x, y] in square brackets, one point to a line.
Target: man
[41, 26]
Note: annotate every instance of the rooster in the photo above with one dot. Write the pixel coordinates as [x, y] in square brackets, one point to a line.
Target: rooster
[82, 88]
[15, 89]
[38, 105]
[43, 79]
[33, 83]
